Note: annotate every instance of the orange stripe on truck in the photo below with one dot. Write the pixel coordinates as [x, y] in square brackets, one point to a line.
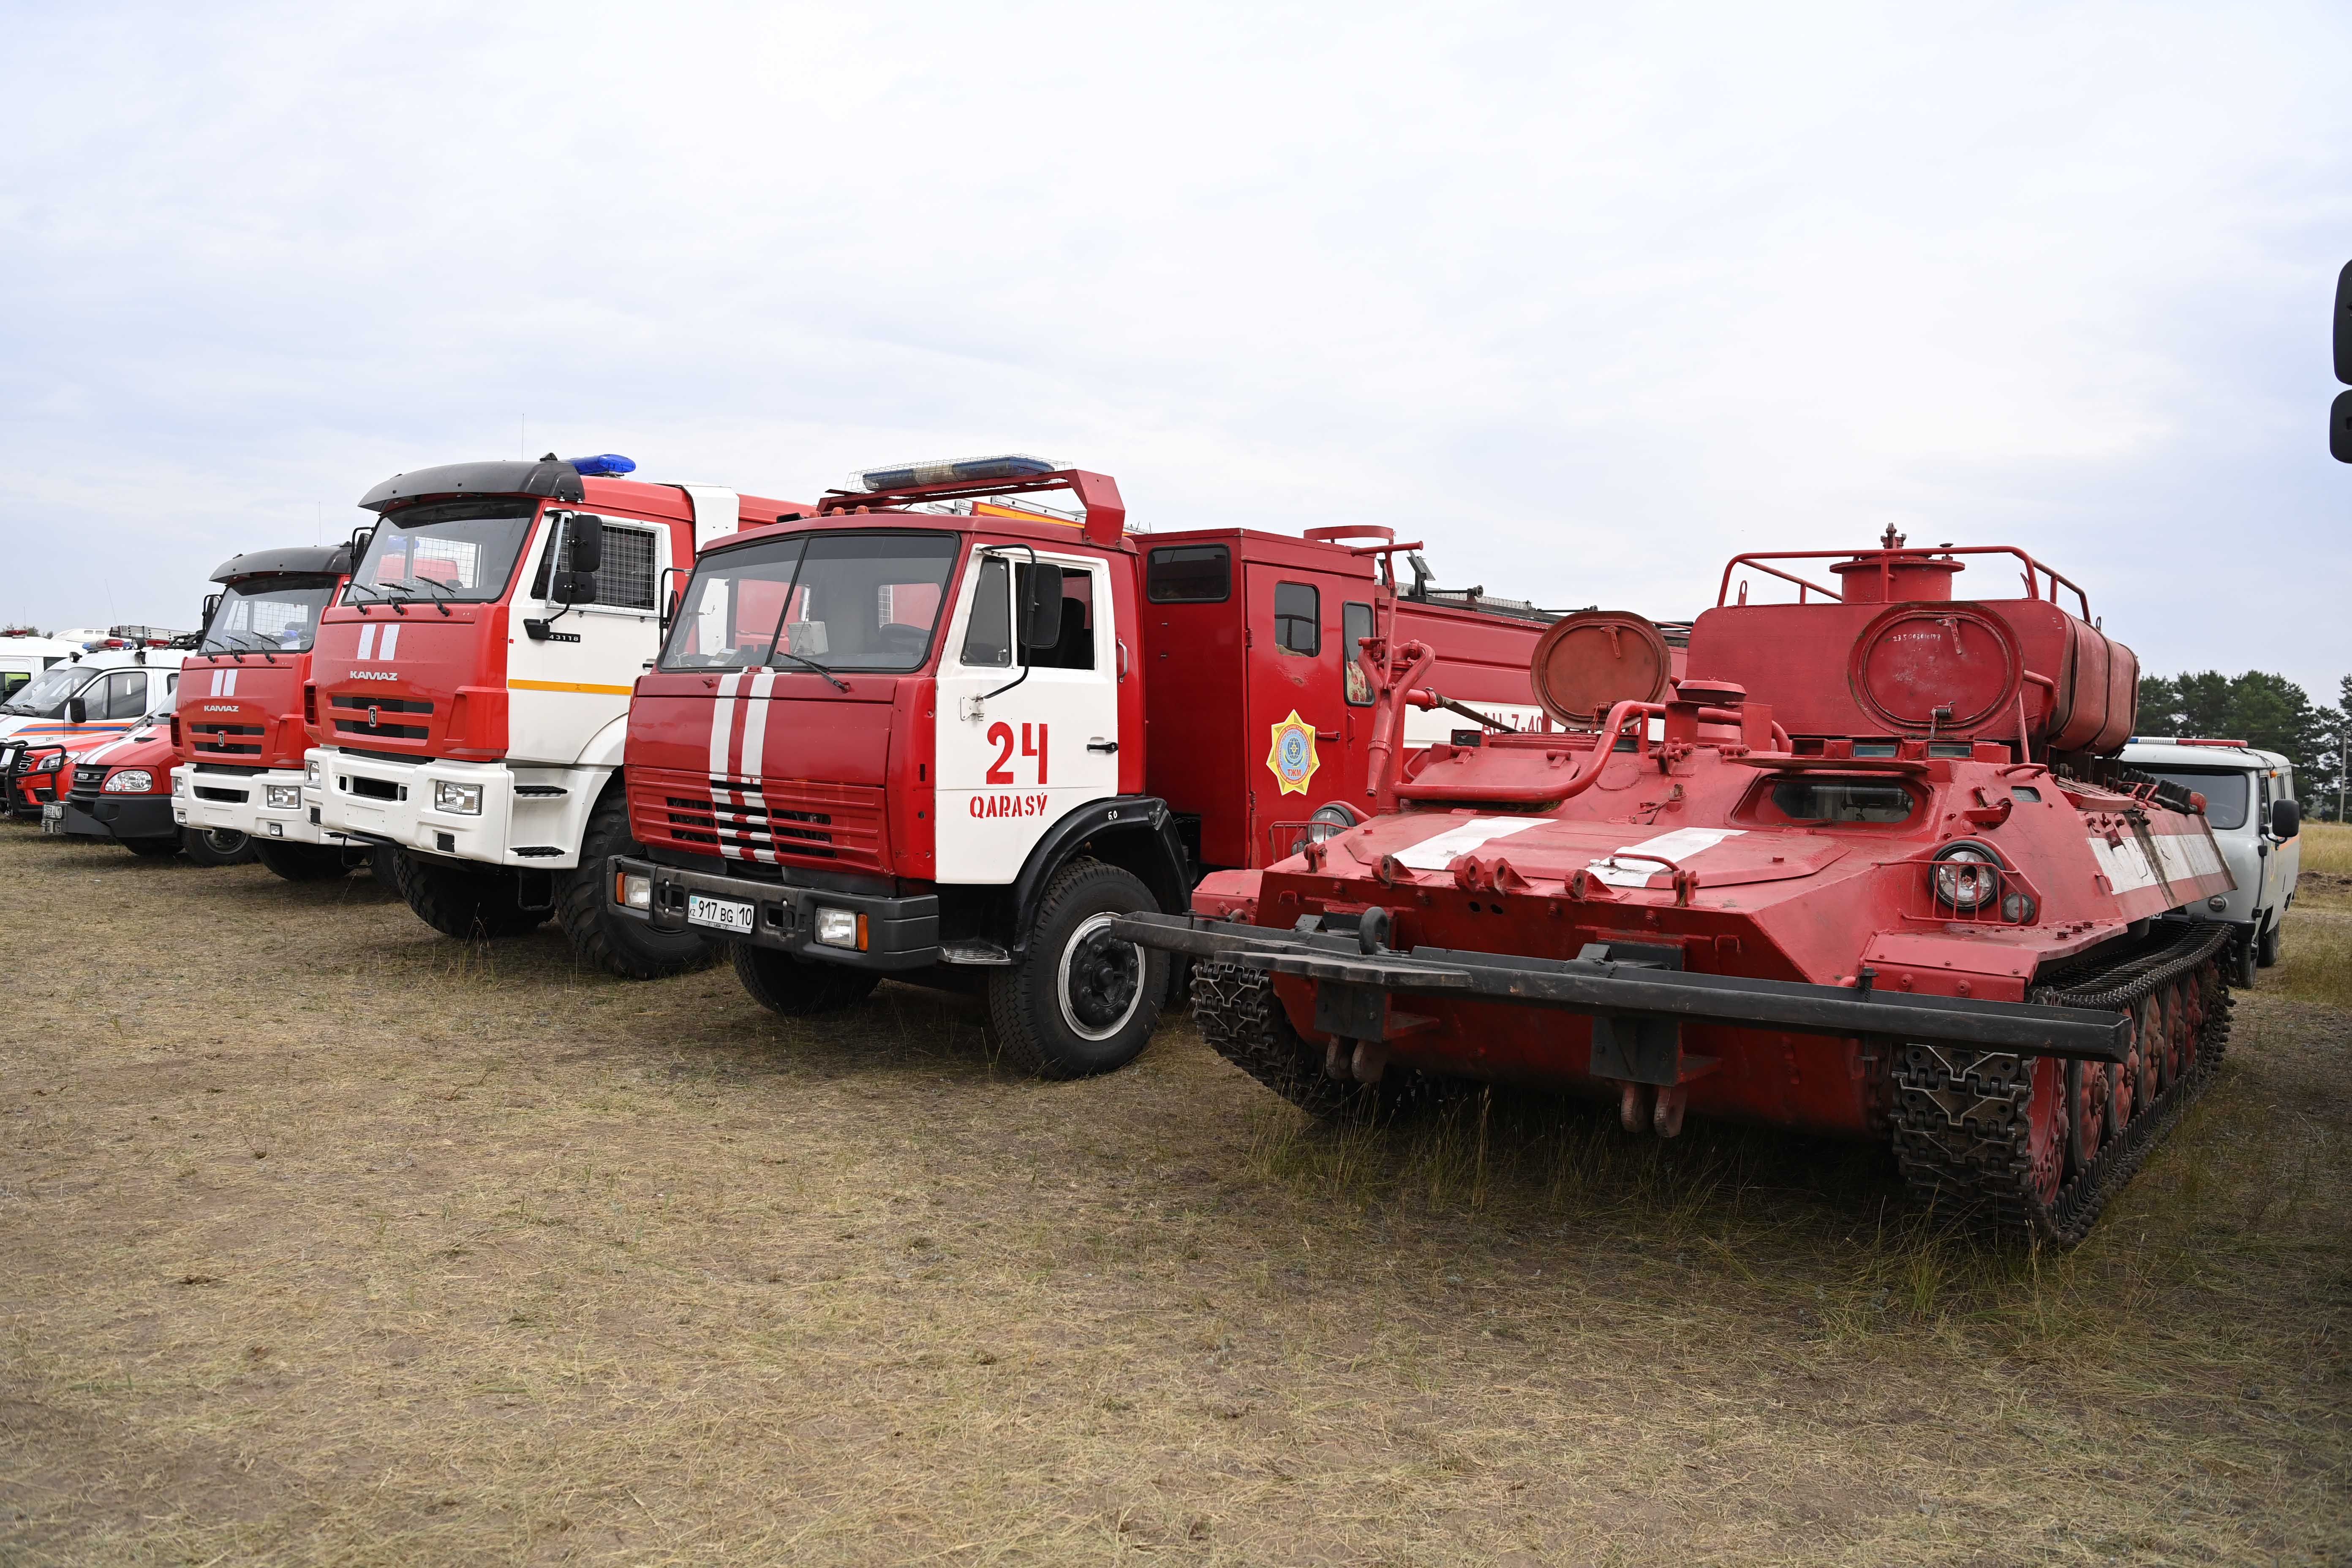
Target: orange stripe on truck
[569, 686]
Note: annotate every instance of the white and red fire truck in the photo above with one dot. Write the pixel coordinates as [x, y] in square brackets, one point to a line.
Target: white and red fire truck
[240, 729]
[951, 746]
[469, 688]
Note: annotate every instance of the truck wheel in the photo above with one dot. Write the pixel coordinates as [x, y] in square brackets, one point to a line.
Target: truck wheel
[152, 848]
[797, 988]
[383, 864]
[2266, 952]
[1080, 1001]
[612, 942]
[2241, 960]
[216, 846]
[465, 903]
[301, 862]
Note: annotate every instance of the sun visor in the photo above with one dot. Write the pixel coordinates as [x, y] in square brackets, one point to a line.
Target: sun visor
[554, 481]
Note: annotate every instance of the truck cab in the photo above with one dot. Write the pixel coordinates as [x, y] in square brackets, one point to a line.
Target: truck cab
[240, 730]
[470, 685]
[2251, 806]
[932, 734]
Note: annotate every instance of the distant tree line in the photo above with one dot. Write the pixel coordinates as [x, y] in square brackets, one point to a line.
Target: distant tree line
[2262, 709]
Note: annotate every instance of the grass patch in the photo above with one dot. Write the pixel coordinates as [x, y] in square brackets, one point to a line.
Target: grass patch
[331, 1241]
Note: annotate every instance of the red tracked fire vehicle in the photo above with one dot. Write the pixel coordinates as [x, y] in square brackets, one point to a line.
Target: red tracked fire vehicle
[1869, 870]
[240, 730]
[469, 690]
[951, 745]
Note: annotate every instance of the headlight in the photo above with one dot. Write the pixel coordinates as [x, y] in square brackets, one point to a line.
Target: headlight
[2217, 902]
[1967, 876]
[50, 763]
[282, 797]
[841, 928]
[310, 771]
[130, 781]
[633, 892]
[464, 799]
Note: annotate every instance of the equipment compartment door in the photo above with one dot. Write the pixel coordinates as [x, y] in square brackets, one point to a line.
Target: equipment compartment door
[1297, 744]
[1019, 747]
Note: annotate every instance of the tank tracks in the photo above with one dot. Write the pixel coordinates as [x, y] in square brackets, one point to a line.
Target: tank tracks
[1962, 1120]
[1240, 1016]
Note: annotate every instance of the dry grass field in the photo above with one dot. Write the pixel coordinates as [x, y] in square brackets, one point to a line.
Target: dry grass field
[324, 1240]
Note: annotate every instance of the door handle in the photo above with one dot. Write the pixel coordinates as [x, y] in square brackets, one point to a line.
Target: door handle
[1327, 734]
[1105, 747]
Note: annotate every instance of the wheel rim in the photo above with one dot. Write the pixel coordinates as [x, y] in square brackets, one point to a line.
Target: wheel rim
[1099, 984]
[224, 840]
[2086, 1122]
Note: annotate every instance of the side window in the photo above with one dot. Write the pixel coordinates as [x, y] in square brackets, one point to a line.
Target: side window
[1298, 619]
[988, 634]
[1188, 575]
[1356, 627]
[1075, 649]
[625, 579]
[126, 695]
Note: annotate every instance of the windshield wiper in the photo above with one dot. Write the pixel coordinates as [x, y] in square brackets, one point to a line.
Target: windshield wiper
[839, 684]
[437, 587]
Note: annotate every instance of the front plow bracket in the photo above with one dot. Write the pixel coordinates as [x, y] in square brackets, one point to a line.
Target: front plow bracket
[1615, 991]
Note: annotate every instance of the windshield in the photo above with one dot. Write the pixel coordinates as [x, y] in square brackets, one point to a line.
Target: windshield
[462, 552]
[51, 689]
[274, 615]
[841, 601]
[2225, 792]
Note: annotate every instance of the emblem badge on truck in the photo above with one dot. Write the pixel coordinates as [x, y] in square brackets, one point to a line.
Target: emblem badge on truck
[1292, 758]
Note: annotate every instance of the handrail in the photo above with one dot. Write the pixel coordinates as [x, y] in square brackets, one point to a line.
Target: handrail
[1756, 561]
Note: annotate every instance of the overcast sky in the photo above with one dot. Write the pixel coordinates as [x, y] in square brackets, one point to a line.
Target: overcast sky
[1588, 298]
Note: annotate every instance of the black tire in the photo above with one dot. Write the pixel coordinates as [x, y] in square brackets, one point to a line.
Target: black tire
[464, 902]
[383, 864]
[797, 988]
[216, 846]
[302, 862]
[1079, 1002]
[615, 942]
[2266, 952]
[2238, 965]
[152, 848]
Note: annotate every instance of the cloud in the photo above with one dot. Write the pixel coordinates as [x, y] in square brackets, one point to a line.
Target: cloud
[1588, 299]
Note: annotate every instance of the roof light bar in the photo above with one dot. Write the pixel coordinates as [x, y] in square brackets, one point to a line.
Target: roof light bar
[955, 470]
[605, 465]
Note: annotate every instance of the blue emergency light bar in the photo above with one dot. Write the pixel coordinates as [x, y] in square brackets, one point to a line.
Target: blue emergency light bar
[605, 465]
[959, 470]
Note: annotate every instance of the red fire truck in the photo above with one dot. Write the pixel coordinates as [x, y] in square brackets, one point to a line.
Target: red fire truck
[239, 728]
[470, 689]
[950, 739]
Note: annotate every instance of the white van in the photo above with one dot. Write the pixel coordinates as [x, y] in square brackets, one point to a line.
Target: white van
[24, 655]
[2250, 803]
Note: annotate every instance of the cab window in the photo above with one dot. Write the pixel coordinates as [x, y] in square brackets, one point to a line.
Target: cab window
[1298, 619]
[988, 631]
[1846, 801]
[126, 695]
[1188, 575]
[1075, 649]
[1354, 629]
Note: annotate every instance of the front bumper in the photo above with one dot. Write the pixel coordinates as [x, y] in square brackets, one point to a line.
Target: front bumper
[212, 802]
[118, 817]
[531, 817]
[1354, 980]
[901, 933]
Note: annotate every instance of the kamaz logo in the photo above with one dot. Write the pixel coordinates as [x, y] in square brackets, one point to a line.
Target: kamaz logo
[375, 675]
[220, 708]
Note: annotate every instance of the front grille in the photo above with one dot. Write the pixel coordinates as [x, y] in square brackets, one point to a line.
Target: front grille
[781, 820]
[389, 704]
[377, 732]
[215, 737]
[225, 797]
[88, 777]
[376, 789]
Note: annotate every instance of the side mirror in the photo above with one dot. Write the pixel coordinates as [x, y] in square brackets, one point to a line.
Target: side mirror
[77, 711]
[587, 537]
[1041, 605]
[2286, 819]
[673, 595]
[212, 608]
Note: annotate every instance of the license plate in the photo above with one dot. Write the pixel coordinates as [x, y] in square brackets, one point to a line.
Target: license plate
[721, 914]
[53, 816]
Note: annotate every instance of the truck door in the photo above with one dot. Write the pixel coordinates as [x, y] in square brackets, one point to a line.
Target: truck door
[1024, 736]
[579, 676]
[1297, 744]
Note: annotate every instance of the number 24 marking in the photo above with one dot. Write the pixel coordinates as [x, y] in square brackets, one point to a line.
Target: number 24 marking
[1000, 734]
